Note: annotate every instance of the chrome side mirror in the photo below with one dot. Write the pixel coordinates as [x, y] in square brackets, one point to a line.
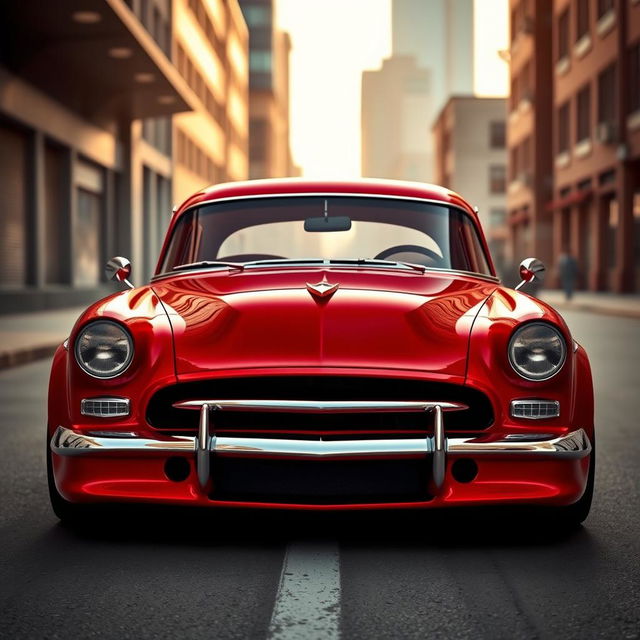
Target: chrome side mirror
[531, 269]
[119, 269]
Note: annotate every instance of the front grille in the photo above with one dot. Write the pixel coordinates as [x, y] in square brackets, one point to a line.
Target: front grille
[319, 481]
[163, 416]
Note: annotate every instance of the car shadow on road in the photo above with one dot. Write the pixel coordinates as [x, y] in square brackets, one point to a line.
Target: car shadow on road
[460, 528]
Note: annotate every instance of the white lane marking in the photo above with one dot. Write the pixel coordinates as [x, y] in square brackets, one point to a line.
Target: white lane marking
[307, 604]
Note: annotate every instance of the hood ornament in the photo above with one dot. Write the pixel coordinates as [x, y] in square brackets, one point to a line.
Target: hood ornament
[322, 289]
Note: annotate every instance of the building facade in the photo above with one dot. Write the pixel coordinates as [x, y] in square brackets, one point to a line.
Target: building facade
[529, 122]
[438, 37]
[88, 162]
[396, 135]
[269, 49]
[596, 141]
[469, 138]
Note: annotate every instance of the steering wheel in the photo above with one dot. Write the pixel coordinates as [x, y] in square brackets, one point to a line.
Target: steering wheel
[433, 257]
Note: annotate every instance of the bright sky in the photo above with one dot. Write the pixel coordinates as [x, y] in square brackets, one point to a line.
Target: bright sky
[333, 42]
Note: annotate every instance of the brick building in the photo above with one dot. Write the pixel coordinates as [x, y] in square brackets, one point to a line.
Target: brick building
[528, 132]
[596, 142]
[574, 137]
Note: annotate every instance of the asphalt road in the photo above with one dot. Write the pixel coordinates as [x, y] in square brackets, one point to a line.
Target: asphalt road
[176, 575]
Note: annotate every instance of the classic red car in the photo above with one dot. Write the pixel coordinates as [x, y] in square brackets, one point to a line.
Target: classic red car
[322, 345]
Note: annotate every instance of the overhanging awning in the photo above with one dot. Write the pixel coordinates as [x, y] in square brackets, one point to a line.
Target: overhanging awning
[577, 197]
[105, 69]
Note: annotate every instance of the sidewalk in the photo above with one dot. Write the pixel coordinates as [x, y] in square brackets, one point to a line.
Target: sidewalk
[611, 304]
[31, 336]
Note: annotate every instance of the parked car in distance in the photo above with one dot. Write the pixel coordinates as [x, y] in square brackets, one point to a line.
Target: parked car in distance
[322, 345]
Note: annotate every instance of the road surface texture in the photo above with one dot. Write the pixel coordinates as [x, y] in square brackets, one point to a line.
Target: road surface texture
[226, 575]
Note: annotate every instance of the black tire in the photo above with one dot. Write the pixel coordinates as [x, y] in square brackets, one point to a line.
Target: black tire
[576, 513]
[67, 512]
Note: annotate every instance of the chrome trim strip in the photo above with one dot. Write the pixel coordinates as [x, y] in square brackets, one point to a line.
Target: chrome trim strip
[574, 445]
[534, 401]
[322, 448]
[66, 442]
[346, 194]
[319, 406]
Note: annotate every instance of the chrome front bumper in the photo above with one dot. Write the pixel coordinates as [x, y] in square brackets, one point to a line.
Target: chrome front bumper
[66, 442]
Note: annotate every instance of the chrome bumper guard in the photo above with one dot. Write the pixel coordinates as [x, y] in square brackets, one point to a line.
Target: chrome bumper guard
[66, 442]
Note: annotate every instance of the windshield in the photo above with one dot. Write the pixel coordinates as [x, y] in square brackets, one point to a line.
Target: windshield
[328, 228]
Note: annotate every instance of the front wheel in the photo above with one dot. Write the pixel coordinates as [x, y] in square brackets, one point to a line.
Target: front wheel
[576, 513]
[67, 512]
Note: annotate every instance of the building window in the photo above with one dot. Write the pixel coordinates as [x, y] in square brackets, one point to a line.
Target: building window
[497, 217]
[497, 178]
[157, 132]
[260, 61]
[636, 226]
[497, 134]
[257, 15]
[563, 35]
[87, 235]
[607, 95]
[526, 154]
[583, 109]
[604, 6]
[514, 164]
[612, 232]
[258, 140]
[563, 128]
[55, 219]
[515, 93]
[634, 84]
[14, 189]
[525, 83]
[582, 19]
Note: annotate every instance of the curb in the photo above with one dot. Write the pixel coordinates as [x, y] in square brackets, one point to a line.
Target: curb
[15, 358]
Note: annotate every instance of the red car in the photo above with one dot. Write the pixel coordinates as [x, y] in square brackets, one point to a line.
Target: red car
[322, 345]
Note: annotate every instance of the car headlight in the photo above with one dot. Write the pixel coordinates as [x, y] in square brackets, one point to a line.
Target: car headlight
[104, 349]
[537, 351]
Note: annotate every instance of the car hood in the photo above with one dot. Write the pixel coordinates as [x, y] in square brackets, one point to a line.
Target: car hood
[384, 318]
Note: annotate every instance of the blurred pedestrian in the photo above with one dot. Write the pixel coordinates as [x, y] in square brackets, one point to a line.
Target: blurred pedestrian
[568, 269]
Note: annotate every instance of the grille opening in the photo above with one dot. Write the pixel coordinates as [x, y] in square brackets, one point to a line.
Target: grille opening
[320, 481]
[163, 416]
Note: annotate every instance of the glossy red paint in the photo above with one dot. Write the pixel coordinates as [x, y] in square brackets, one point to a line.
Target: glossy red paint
[268, 317]
[379, 323]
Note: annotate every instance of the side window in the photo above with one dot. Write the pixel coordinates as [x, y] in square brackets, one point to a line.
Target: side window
[181, 246]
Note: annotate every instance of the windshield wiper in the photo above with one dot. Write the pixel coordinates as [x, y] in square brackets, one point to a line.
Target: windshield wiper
[260, 263]
[383, 263]
[208, 263]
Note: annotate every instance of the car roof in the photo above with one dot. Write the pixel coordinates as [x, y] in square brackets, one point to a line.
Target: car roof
[364, 186]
